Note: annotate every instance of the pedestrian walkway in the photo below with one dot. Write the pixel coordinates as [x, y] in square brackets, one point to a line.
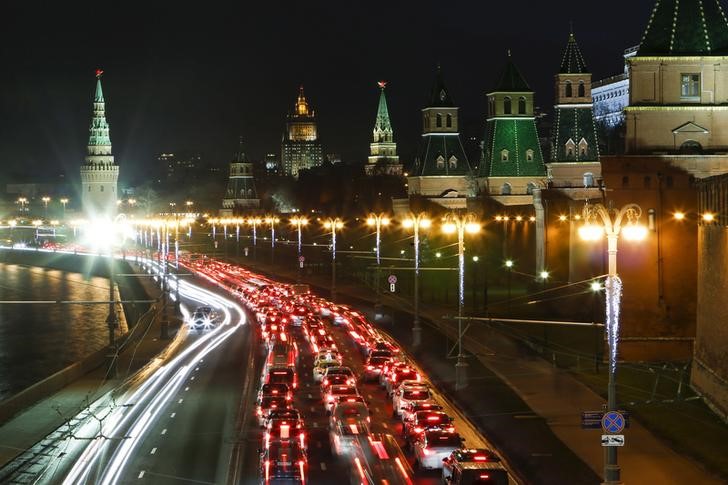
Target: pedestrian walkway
[551, 393]
[33, 424]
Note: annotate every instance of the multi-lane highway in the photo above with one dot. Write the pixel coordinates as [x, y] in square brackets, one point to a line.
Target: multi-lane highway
[192, 415]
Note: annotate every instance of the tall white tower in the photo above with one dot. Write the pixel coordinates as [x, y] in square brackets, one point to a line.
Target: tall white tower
[99, 173]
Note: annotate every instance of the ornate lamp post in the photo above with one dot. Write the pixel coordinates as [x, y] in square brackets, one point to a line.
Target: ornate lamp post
[64, 201]
[461, 224]
[22, 201]
[272, 221]
[417, 222]
[254, 222]
[333, 224]
[377, 221]
[45, 200]
[598, 222]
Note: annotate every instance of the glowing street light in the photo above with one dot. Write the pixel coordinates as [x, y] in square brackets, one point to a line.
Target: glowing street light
[333, 224]
[377, 221]
[417, 222]
[254, 222]
[45, 200]
[599, 221]
[460, 225]
[64, 201]
[23, 201]
[596, 286]
[299, 222]
[708, 217]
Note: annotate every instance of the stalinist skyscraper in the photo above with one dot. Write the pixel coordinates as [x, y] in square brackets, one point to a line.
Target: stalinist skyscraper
[99, 173]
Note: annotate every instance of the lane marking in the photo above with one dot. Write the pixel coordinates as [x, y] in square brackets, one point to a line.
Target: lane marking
[154, 450]
[376, 410]
[187, 388]
[197, 368]
[141, 474]
[323, 466]
[310, 396]
[172, 415]
[385, 425]
[313, 410]
[164, 431]
[180, 401]
[192, 378]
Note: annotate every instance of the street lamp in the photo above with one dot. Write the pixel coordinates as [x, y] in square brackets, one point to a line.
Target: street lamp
[254, 222]
[45, 200]
[460, 224]
[272, 221]
[377, 221]
[298, 222]
[509, 267]
[64, 201]
[333, 224]
[22, 201]
[417, 222]
[598, 221]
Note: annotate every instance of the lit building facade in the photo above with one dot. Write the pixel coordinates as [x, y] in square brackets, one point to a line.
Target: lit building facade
[99, 172]
[301, 148]
[240, 195]
[611, 96]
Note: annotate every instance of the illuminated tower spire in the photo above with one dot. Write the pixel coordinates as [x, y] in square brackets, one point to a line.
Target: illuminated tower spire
[99, 173]
[383, 150]
[241, 194]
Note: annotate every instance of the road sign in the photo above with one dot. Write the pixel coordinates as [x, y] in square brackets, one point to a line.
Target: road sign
[246, 252]
[591, 419]
[391, 287]
[392, 279]
[613, 422]
[612, 440]
[301, 259]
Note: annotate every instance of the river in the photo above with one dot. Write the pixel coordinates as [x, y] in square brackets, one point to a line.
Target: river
[38, 340]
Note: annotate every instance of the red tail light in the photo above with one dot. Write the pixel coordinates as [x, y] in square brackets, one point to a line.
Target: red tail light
[480, 458]
[484, 476]
[427, 451]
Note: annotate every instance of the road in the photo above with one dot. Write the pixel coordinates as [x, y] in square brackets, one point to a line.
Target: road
[175, 421]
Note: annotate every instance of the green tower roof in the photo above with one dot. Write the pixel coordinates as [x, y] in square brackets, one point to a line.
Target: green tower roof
[685, 28]
[511, 81]
[572, 62]
[382, 123]
[512, 149]
[440, 96]
[442, 154]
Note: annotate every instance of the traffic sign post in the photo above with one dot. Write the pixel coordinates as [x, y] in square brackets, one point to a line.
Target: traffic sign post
[392, 287]
[301, 260]
[392, 282]
[593, 419]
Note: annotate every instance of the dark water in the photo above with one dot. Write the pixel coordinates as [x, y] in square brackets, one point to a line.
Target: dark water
[39, 340]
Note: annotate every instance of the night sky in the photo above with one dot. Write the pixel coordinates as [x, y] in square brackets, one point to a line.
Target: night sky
[194, 78]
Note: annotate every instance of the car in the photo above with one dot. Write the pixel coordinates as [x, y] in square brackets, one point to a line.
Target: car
[348, 407]
[202, 318]
[374, 363]
[277, 389]
[424, 421]
[334, 380]
[268, 404]
[283, 352]
[344, 433]
[411, 408]
[329, 355]
[281, 375]
[339, 371]
[283, 461]
[433, 446]
[380, 345]
[322, 341]
[338, 390]
[398, 374]
[405, 394]
[471, 466]
[320, 369]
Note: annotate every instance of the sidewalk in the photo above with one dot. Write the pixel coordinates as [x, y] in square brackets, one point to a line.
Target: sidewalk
[551, 393]
[32, 425]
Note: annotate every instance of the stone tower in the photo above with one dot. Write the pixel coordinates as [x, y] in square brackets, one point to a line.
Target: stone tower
[240, 195]
[383, 150]
[442, 170]
[512, 160]
[679, 81]
[99, 173]
[301, 148]
[574, 161]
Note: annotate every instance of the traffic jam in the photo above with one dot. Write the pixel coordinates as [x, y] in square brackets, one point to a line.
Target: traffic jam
[339, 398]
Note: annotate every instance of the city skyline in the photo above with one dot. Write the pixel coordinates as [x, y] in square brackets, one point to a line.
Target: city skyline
[147, 78]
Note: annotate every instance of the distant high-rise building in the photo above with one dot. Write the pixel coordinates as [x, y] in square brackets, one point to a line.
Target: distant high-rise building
[383, 150]
[300, 148]
[272, 166]
[99, 173]
[240, 195]
[179, 166]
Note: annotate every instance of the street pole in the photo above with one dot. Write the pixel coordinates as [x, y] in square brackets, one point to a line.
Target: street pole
[112, 321]
[461, 366]
[417, 222]
[333, 224]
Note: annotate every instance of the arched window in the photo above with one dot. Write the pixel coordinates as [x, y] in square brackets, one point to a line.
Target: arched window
[583, 146]
[448, 120]
[440, 162]
[522, 105]
[581, 90]
[588, 179]
[506, 189]
[504, 155]
[567, 89]
[529, 155]
[438, 120]
[453, 162]
[491, 106]
[570, 147]
[507, 105]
